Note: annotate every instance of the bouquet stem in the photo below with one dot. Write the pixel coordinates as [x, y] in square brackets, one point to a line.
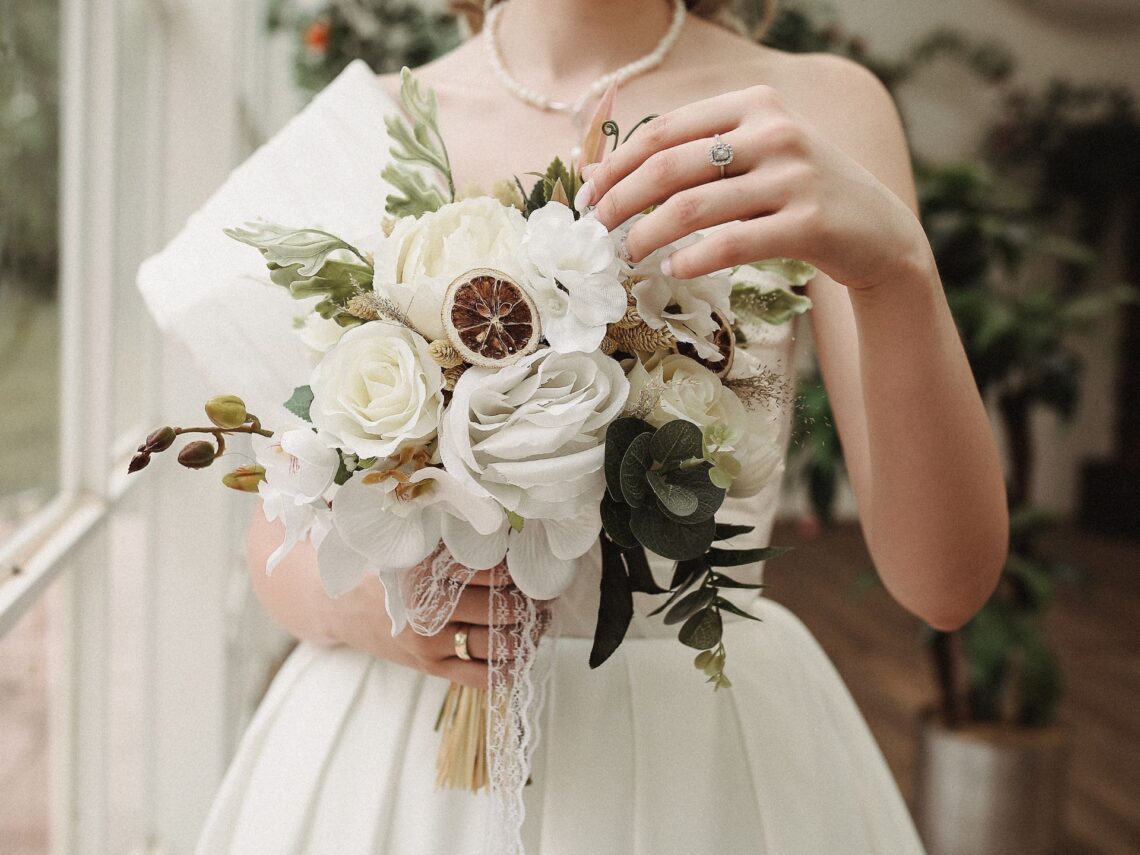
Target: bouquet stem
[462, 760]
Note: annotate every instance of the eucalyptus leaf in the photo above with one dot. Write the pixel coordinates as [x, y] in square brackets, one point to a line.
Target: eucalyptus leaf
[615, 521]
[686, 571]
[710, 497]
[703, 630]
[615, 608]
[676, 499]
[669, 539]
[676, 442]
[690, 605]
[634, 466]
[618, 437]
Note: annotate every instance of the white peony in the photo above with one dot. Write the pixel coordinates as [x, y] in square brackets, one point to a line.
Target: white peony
[424, 255]
[572, 270]
[377, 391]
[532, 436]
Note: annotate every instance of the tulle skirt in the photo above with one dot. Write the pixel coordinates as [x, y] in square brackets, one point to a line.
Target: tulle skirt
[639, 757]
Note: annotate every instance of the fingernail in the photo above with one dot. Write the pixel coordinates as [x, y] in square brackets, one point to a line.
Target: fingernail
[667, 265]
[625, 252]
[589, 169]
[584, 196]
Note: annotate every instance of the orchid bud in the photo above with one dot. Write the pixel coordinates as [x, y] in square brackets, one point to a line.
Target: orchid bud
[245, 479]
[140, 461]
[159, 440]
[227, 411]
[197, 455]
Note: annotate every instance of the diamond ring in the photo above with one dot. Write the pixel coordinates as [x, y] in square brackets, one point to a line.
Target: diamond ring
[720, 153]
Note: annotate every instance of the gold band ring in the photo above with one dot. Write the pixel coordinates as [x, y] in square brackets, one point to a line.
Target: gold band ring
[461, 649]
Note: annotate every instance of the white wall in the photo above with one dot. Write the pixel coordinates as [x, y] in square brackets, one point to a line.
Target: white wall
[946, 109]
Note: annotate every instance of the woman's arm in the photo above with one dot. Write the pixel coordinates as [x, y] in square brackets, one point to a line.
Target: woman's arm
[919, 448]
[829, 182]
[294, 598]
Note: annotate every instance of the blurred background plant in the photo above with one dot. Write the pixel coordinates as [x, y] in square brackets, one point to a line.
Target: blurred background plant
[387, 34]
[29, 151]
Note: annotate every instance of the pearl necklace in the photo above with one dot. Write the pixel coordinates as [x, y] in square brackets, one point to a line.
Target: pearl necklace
[621, 75]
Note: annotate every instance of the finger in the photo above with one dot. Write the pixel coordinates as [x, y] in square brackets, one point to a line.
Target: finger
[667, 172]
[474, 673]
[479, 641]
[707, 205]
[737, 243]
[474, 608]
[694, 121]
[495, 576]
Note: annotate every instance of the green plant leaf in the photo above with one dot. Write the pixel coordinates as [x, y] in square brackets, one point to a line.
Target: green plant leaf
[640, 573]
[729, 606]
[677, 500]
[304, 250]
[703, 630]
[725, 531]
[729, 582]
[686, 571]
[615, 521]
[690, 605]
[300, 402]
[615, 608]
[634, 466]
[710, 497]
[676, 442]
[669, 539]
[618, 437]
[739, 557]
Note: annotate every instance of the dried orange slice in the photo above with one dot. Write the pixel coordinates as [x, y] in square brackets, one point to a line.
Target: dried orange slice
[489, 318]
[724, 340]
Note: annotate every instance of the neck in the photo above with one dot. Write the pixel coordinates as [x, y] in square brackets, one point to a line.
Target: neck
[558, 47]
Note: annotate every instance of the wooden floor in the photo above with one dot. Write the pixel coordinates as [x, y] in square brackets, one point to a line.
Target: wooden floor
[1095, 628]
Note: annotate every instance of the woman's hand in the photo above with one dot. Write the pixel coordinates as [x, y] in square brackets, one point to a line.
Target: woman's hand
[796, 195]
[295, 599]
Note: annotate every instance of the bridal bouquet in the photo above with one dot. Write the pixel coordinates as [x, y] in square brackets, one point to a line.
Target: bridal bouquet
[495, 387]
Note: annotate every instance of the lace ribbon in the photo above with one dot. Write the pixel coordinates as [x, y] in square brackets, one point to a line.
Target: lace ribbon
[519, 662]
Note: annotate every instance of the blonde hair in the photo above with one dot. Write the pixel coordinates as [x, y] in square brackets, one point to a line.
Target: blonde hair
[717, 11]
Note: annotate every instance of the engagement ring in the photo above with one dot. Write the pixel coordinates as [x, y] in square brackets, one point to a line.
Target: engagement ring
[720, 154]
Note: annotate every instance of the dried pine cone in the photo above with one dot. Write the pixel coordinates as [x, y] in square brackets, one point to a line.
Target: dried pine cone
[609, 345]
[444, 353]
[451, 375]
[643, 338]
[631, 319]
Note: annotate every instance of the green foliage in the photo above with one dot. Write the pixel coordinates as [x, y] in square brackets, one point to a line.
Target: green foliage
[300, 402]
[29, 143]
[545, 188]
[416, 145]
[310, 263]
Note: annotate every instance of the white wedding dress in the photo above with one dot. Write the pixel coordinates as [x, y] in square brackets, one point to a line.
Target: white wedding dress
[639, 757]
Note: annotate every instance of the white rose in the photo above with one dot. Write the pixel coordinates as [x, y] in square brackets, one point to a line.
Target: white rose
[421, 257]
[672, 386]
[532, 435]
[759, 452]
[377, 391]
[573, 272]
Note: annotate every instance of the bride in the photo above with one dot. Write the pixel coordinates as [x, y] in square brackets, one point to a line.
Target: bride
[640, 756]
